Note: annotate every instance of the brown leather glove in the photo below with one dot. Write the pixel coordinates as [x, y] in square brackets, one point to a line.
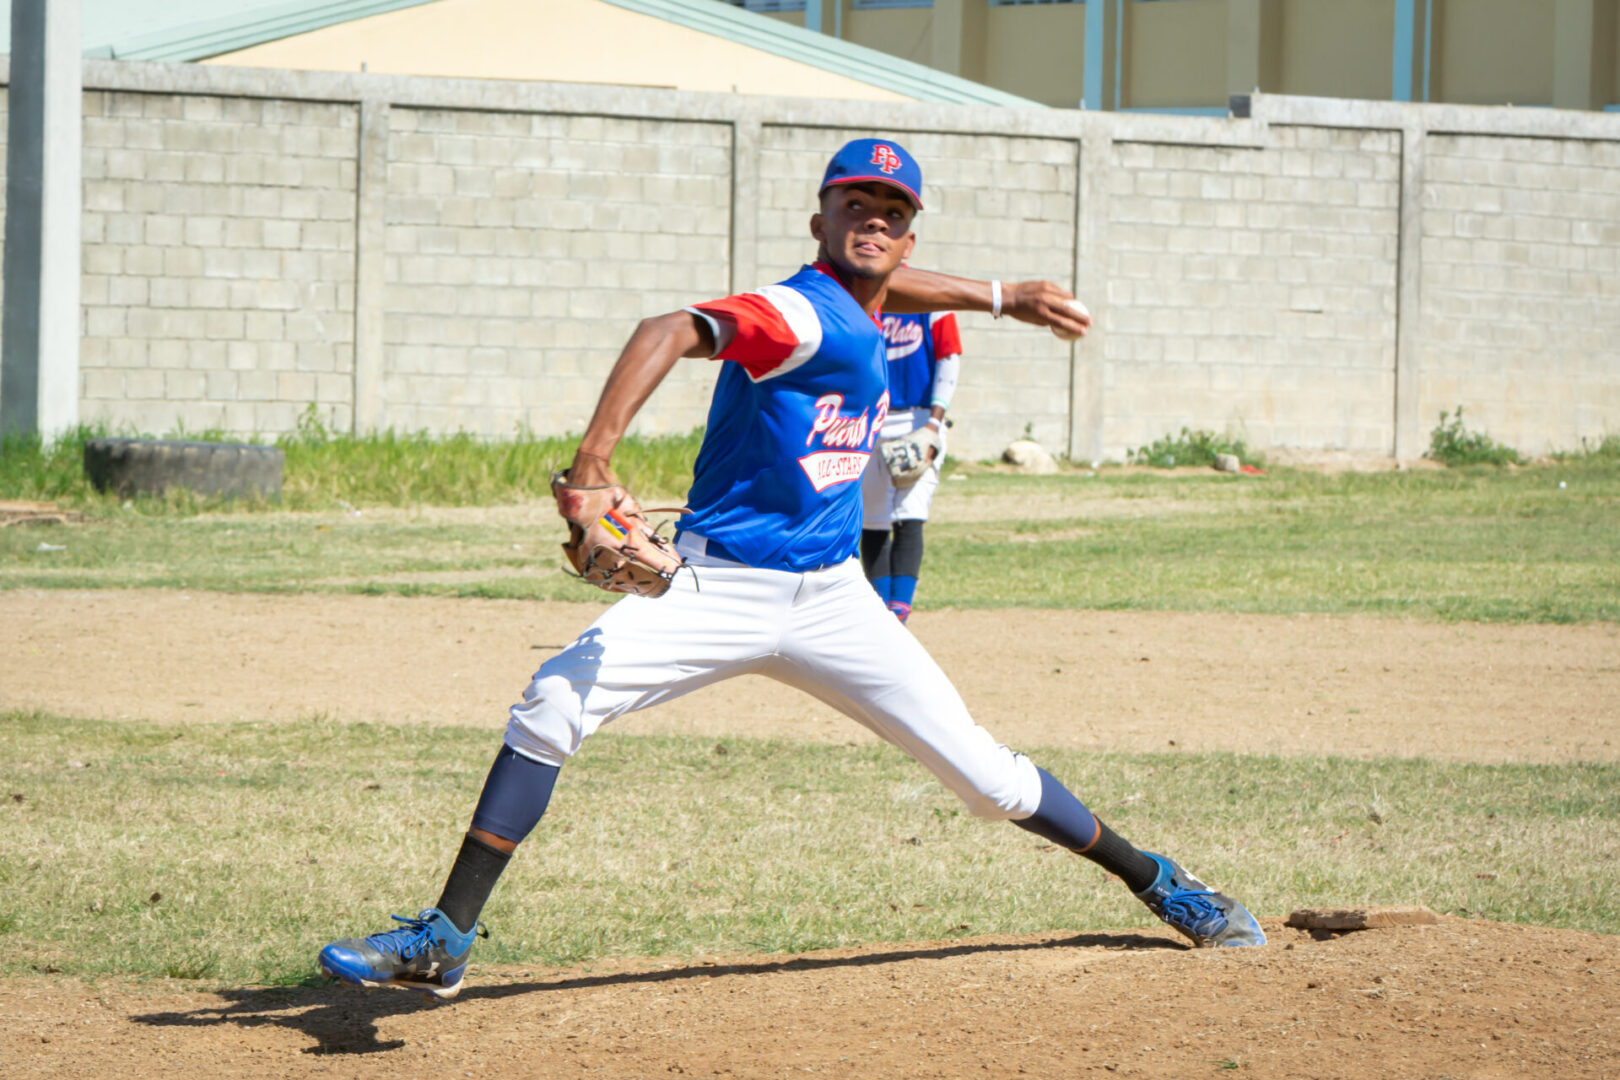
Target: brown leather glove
[610, 544]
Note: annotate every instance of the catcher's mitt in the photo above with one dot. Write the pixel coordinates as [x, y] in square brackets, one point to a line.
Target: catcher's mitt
[906, 457]
[610, 543]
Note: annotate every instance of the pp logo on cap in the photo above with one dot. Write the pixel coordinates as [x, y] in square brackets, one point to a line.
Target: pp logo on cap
[885, 159]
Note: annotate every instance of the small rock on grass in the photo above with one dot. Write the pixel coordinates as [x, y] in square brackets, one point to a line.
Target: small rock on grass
[1228, 463]
[1362, 918]
[1030, 457]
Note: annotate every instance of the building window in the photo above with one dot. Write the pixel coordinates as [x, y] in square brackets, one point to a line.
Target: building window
[868, 5]
[768, 5]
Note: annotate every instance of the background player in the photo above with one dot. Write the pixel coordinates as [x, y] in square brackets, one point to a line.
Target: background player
[925, 360]
[773, 533]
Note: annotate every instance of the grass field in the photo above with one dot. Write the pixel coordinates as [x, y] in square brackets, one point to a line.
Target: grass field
[1477, 543]
[232, 853]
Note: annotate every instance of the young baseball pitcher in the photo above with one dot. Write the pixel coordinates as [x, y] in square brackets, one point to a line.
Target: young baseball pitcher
[772, 537]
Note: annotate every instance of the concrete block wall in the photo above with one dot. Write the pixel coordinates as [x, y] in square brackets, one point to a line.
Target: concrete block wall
[523, 248]
[1521, 287]
[471, 255]
[1254, 289]
[218, 261]
[997, 207]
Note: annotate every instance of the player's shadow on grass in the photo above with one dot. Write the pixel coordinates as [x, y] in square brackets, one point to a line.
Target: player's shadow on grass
[342, 1020]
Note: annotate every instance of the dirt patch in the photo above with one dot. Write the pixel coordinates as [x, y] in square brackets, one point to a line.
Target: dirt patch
[1356, 686]
[1458, 999]
[1077, 503]
[37, 513]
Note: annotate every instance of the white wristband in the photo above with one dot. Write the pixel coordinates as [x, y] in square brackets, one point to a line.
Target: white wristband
[995, 299]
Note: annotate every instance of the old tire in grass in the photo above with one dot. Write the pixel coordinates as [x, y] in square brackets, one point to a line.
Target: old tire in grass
[150, 466]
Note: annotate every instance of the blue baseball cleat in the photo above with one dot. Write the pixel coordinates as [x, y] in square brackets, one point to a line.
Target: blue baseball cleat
[427, 953]
[1197, 911]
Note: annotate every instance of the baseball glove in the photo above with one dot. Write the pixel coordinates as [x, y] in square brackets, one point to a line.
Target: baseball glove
[906, 457]
[610, 544]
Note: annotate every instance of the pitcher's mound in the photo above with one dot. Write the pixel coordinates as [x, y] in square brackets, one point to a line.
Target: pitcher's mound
[1453, 998]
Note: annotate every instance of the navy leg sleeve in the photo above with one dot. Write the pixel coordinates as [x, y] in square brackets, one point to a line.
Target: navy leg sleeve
[1061, 818]
[515, 795]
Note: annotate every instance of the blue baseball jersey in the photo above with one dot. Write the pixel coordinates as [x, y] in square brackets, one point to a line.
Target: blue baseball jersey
[916, 344]
[795, 415]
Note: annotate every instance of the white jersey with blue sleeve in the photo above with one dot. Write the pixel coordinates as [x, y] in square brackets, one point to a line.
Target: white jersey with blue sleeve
[796, 413]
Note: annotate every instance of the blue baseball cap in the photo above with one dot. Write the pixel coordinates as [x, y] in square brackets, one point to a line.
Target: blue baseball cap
[881, 161]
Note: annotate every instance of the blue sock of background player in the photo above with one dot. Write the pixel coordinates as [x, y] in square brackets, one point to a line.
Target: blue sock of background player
[902, 587]
[518, 790]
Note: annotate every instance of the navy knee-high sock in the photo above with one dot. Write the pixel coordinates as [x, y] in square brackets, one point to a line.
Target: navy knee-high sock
[875, 548]
[1064, 820]
[514, 798]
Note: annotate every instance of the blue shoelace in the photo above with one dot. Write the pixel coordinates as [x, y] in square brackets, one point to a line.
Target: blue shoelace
[406, 941]
[1190, 907]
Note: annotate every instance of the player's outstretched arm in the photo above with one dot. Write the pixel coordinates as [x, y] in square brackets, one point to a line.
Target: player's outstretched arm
[647, 358]
[1038, 302]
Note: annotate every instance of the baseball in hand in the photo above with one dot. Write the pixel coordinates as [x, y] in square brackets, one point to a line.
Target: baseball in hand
[1064, 335]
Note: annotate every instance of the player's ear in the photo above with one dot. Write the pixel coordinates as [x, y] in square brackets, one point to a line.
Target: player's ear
[818, 227]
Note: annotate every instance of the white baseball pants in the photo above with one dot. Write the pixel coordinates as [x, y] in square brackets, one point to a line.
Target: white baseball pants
[824, 631]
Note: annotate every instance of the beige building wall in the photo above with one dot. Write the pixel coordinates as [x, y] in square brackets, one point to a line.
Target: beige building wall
[1337, 48]
[1493, 52]
[1175, 54]
[1612, 54]
[582, 41]
[901, 32]
[1037, 51]
[1178, 53]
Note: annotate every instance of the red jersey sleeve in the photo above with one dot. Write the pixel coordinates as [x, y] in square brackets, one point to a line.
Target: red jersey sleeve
[947, 336]
[768, 332]
[750, 331]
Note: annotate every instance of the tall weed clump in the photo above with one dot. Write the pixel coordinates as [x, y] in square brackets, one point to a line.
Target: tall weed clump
[400, 469]
[1604, 451]
[1191, 448]
[1450, 443]
[33, 470]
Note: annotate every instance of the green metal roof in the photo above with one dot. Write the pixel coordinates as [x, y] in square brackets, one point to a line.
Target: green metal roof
[824, 51]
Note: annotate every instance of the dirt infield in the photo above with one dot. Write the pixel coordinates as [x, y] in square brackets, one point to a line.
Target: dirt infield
[1458, 999]
[1462, 998]
[1355, 686]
